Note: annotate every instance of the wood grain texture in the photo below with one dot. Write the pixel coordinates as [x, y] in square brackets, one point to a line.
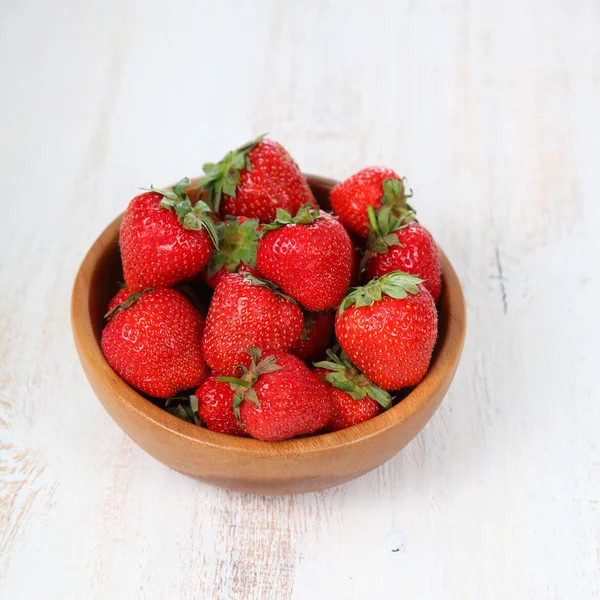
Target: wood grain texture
[491, 110]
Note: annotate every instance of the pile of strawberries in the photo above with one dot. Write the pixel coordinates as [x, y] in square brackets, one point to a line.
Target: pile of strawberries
[262, 359]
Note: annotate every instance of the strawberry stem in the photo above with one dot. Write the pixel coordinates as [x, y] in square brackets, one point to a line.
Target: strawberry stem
[373, 220]
[234, 380]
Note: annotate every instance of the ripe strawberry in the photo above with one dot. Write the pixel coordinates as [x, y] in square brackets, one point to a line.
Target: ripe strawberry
[238, 242]
[255, 180]
[315, 337]
[309, 257]
[120, 297]
[164, 239]
[388, 329]
[278, 397]
[246, 311]
[356, 265]
[355, 398]
[398, 243]
[153, 341]
[215, 406]
[372, 186]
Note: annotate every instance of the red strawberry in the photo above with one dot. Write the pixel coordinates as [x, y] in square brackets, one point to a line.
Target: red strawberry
[279, 397]
[153, 341]
[315, 337]
[164, 239]
[244, 312]
[388, 329]
[398, 243]
[309, 257]
[372, 186]
[238, 242]
[355, 398]
[215, 406]
[120, 297]
[255, 180]
[356, 264]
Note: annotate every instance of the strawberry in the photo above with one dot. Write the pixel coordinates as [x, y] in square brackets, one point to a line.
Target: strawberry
[315, 337]
[356, 267]
[388, 329]
[246, 311]
[372, 186]
[238, 242]
[120, 297]
[279, 397]
[215, 406]
[399, 243]
[153, 341]
[309, 257]
[164, 239]
[355, 398]
[255, 180]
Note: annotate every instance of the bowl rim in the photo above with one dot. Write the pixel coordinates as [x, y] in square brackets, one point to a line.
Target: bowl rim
[446, 358]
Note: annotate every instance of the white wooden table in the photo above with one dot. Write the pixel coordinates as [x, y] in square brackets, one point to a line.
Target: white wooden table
[492, 110]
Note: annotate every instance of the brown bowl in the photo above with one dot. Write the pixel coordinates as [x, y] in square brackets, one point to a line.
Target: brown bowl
[297, 465]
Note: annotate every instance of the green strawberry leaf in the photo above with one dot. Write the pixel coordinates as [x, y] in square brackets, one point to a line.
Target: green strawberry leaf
[330, 366]
[251, 397]
[345, 376]
[223, 177]
[380, 396]
[185, 413]
[396, 280]
[254, 353]
[396, 284]
[267, 365]
[393, 189]
[383, 225]
[180, 187]
[183, 208]
[229, 187]
[306, 215]
[397, 293]
[191, 217]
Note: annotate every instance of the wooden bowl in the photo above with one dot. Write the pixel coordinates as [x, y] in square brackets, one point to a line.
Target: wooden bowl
[297, 465]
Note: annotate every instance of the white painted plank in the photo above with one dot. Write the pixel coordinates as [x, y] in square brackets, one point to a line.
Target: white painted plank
[490, 110]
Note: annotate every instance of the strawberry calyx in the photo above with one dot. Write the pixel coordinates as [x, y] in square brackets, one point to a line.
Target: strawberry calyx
[242, 386]
[345, 376]
[396, 284]
[184, 407]
[306, 215]
[395, 194]
[223, 177]
[238, 243]
[131, 299]
[383, 225]
[266, 284]
[191, 217]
